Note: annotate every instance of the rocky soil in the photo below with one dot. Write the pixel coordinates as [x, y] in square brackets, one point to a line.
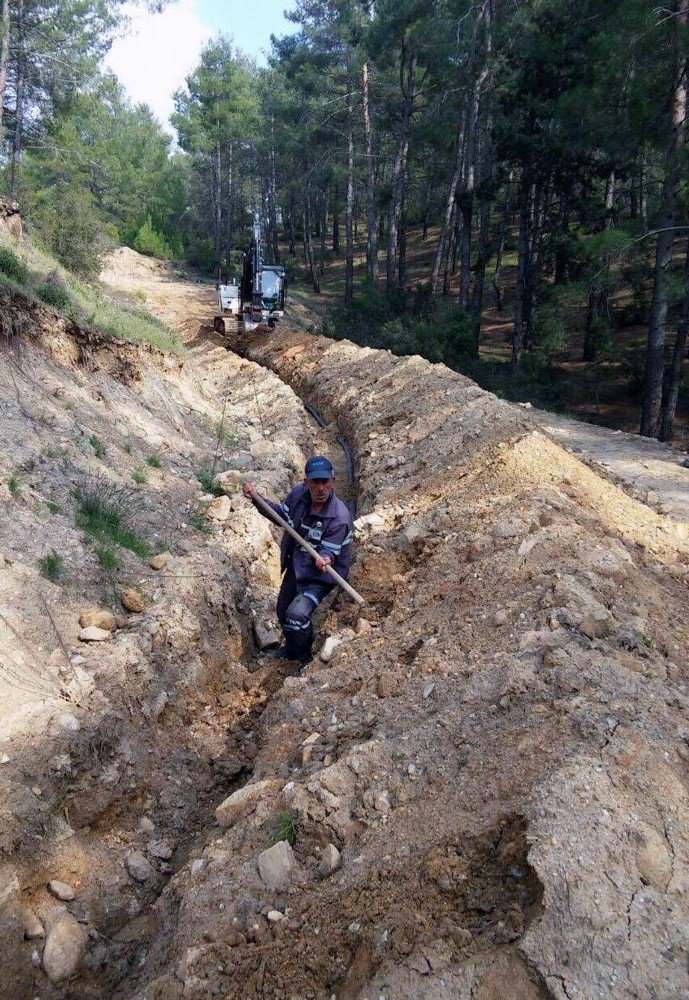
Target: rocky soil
[479, 788]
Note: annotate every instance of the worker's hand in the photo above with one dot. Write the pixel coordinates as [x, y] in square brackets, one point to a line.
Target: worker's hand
[322, 562]
[249, 490]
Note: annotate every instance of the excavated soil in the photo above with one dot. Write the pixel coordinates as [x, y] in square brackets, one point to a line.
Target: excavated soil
[498, 747]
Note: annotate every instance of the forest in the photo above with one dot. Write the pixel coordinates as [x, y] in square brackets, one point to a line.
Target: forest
[499, 186]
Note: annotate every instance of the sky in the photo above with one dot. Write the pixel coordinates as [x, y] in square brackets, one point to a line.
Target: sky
[157, 51]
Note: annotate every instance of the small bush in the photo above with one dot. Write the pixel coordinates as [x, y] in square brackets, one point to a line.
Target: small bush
[52, 295]
[106, 556]
[412, 323]
[53, 507]
[150, 242]
[127, 447]
[12, 267]
[199, 522]
[207, 479]
[97, 446]
[52, 566]
[139, 476]
[283, 828]
[154, 462]
[13, 485]
[103, 510]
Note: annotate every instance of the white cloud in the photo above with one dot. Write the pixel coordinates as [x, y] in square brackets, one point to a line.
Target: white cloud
[156, 53]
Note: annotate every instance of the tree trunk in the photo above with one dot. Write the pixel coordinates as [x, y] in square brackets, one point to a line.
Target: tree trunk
[4, 59]
[399, 171]
[655, 347]
[466, 210]
[230, 200]
[451, 250]
[562, 247]
[484, 252]
[609, 200]
[292, 237]
[596, 308]
[522, 291]
[372, 230]
[217, 203]
[497, 288]
[309, 244]
[18, 136]
[402, 264]
[273, 198]
[336, 226]
[349, 238]
[446, 226]
[673, 380]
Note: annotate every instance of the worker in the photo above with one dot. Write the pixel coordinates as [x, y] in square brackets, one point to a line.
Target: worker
[315, 511]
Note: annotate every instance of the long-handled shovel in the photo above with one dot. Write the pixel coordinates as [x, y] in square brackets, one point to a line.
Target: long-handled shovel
[305, 545]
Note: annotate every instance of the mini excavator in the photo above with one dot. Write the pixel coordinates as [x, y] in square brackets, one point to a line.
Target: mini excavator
[258, 296]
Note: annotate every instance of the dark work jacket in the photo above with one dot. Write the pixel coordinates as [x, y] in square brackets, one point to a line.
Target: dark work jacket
[329, 532]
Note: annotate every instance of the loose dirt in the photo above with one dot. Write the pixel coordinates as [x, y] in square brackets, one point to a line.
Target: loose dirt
[497, 748]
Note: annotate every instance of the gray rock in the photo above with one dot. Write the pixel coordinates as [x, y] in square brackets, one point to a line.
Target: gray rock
[61, 890]
[266, 638]
[241, 803]
[596, 624]
[138, 867]
[241, 461]
[32, 926]
[161, 849]
[94, 634]
[277, 864]
[414, 532]
[331, 859]
[329, 647]
[64, 948]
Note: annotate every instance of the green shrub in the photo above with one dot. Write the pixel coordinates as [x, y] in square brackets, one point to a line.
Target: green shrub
[52, 295]
[404, 323]
[12, 267]
[74, 231]
[139, 476]
[13, 485]
[106, 556]
[53, 507]
[154, 462]
[97, 446]
[150, 242]
[103, 511]
[52, 566]
[283, 828]
[207, 479]
[199, 522]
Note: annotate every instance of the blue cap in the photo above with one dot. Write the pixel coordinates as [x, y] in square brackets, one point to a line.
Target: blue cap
[319, 467]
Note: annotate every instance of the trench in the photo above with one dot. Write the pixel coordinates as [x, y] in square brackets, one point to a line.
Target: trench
[117, 962]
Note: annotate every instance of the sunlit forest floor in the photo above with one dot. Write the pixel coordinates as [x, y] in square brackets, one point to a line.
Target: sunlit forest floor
[607, 392]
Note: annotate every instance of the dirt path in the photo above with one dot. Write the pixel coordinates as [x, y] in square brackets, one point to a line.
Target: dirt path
[655, 471]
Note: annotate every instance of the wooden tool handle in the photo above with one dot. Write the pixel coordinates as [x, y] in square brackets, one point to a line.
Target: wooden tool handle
[260, 502]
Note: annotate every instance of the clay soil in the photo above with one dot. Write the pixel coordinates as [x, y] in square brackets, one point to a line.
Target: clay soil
[497, 748]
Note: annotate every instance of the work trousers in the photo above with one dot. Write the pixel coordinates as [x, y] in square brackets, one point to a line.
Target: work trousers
[295, 608]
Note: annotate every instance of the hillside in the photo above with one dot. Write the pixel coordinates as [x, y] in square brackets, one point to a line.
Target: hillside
[486, 783]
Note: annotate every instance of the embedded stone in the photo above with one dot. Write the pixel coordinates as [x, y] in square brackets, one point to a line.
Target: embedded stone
[277, 864]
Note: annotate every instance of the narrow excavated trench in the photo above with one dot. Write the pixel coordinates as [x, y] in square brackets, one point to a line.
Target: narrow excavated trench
[488, 769]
